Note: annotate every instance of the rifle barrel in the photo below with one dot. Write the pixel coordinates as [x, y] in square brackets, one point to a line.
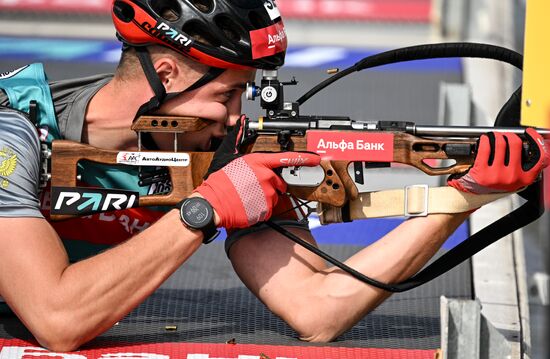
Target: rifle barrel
[464, 131]
[321, 123]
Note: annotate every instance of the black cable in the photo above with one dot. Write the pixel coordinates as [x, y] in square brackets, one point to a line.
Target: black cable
[423, 52]
[330, 259]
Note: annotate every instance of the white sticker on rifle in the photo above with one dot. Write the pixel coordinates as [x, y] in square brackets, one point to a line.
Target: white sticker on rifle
[153, 159]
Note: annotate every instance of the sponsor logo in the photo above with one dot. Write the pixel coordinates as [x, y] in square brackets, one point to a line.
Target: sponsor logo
[272, 9]
[268, 41]
[272, 40]
[160, 187]
[351, 145]
[84, 200]
[28, 351]
[269, 94]
[153, 159]
[8, 163]
[164, 32]
[300, 161]
[18, 349]
[8, 74]
[174, 34]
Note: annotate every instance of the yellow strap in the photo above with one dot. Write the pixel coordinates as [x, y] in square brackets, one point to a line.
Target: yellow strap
[409, 202]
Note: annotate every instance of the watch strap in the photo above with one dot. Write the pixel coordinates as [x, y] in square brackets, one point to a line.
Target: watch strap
[210, 232]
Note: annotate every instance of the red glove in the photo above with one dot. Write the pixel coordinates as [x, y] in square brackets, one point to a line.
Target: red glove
[245, 191]
[499, 166]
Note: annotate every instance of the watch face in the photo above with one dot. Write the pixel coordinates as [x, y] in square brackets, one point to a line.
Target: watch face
[196, 212]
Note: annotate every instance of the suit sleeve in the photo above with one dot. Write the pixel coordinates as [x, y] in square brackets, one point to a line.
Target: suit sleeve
[19, 166]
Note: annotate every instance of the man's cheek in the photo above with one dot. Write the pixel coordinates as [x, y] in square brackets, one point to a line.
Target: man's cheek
[214, 112]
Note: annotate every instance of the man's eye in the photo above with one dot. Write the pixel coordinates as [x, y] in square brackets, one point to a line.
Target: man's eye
[228, 95]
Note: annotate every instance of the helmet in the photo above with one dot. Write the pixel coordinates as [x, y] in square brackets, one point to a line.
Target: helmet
[225, 34]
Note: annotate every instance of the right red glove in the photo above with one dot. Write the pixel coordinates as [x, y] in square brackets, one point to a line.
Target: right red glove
[499, 166]
[245, 191]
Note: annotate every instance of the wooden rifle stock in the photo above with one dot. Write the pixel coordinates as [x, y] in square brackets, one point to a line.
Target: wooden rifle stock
[336, 189]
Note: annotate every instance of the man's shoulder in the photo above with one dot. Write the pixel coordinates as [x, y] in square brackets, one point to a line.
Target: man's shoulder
[70, 100]
[14, 122]
[66, 89]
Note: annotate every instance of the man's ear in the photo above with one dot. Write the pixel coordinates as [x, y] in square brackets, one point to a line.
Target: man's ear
[168, 71]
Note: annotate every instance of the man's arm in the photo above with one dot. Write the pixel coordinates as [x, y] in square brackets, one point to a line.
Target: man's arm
[66, 305]
[319, 302]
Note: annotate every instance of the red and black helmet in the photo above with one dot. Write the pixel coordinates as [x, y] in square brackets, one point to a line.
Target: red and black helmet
[218, 33]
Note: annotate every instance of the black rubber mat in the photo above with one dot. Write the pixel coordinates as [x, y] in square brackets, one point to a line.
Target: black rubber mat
[207, 303]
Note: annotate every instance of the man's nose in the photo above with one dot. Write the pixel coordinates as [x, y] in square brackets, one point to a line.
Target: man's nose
[232, 120]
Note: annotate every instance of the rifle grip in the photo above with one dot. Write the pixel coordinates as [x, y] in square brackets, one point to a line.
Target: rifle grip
[331, 191]
[341, 168]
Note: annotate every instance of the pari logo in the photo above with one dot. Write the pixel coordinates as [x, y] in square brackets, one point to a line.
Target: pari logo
[163, 31]
[173, 34]
[84, 200]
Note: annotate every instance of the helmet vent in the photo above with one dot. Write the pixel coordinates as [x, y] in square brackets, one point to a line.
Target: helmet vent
[204, 6]
[200, 34]
[169, 10]
[123, 11]
[229, 28]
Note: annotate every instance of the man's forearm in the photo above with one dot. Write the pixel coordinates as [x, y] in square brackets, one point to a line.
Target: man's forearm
[121, 278]
[97, 292]
[410, 246]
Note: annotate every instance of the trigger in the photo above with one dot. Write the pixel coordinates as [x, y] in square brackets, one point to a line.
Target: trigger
[358, 172]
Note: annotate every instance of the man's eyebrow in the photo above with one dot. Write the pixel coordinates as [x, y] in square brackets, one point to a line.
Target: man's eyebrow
[235, 85]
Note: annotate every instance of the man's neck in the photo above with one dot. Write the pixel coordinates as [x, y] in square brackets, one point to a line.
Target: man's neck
[110, 114]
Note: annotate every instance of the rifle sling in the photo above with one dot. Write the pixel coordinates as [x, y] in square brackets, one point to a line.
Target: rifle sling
[413, 201]
[527, 213]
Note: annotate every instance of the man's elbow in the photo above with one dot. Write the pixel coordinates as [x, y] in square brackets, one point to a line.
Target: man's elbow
[57, 333]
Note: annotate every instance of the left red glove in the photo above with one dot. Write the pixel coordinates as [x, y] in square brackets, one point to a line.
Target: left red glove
[499, 166]
[245, 191]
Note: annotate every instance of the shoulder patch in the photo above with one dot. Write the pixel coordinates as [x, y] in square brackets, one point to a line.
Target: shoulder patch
[8, 163]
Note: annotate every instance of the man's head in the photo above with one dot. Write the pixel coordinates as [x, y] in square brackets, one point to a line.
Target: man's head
[200, 51]
[219, 100]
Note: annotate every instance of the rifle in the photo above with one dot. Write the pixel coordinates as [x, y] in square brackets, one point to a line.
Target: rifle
[343, 140]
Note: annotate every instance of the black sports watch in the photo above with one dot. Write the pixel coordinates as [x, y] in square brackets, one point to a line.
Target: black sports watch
[197, 214]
